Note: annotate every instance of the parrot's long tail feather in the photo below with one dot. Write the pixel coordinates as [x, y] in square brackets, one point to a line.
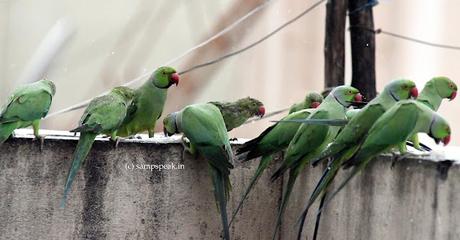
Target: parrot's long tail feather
[344, 183]
[6, 129]
[322, 186]
[82, 150]
[220, 193]
[290, 185]
[264, 162]
[281, 170]
[318, 216]
[251, 146]
[424, 146]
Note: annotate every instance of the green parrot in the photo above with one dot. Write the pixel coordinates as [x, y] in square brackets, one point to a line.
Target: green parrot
[435, 90]
[394, 127]
[26, 106]
[148, 103]
[312, 100]
[352, 135]
[104, 114]
[310, 140]
[204, 127]
[238, 112]
[274, 139]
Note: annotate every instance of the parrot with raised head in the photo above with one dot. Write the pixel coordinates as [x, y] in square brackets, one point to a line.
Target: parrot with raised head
[103, 115]
[352, 135]
[312, 100]
[25, 107]
[203, 125]
[310, 140]
[238, 112]
[148, 103]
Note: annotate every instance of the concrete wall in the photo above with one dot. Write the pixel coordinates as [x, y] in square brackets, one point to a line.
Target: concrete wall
[414, 200]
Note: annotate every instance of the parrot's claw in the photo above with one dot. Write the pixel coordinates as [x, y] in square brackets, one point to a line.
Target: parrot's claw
[42, 141]
[139, 136]
[397, 158]
[115, 141]
[233, 139]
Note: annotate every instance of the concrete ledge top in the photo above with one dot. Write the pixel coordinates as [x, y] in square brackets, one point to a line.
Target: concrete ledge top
[439, 153]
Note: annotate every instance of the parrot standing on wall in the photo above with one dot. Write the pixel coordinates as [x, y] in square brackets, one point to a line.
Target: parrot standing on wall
[104, 114]
[394, 127]
[312, 100]
[148, 103]
[26, 106]
[352, 135]
[204, 127]
[238, 112]
[274, 139]
[310, 140]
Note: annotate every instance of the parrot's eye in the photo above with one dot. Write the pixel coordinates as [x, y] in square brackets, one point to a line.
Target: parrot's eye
[350, 92]
[451, 85]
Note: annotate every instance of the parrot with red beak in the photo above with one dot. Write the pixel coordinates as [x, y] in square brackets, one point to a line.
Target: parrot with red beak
[312, 100]
[238, 112]
[353, 134]
[310, 140]
[435, 90]
[394, 127]
[148, 103]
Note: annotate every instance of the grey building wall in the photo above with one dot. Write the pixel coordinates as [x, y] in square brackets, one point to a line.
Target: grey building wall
[414, 200]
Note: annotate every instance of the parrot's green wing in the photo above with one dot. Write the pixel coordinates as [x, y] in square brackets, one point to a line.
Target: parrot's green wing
[275, 138]
[28, 104]
[328, 122]
[393, 128]
[103, 114]
[352, 134]
[307, 139]
[204, 126]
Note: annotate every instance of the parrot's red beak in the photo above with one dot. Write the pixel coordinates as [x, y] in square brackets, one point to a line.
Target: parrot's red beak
[414, 92]
[314, 104]
[446, 140]
[175, 78]
[452, 96]
[261, 112]
[358, 97]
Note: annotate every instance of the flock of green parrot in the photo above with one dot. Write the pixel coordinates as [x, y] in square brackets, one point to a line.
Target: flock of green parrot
[315, 130]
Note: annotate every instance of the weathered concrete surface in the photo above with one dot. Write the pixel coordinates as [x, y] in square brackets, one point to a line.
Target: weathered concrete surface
[415, 200]
[109, 201]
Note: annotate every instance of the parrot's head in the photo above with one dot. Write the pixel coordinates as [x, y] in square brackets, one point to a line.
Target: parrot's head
[50, 84]
[346, 95]
[164, 77]
[170, 125]
[445, 87]
[439, 130]
[313, 100]
[401, 89]
[126, 93]
[252, 106]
